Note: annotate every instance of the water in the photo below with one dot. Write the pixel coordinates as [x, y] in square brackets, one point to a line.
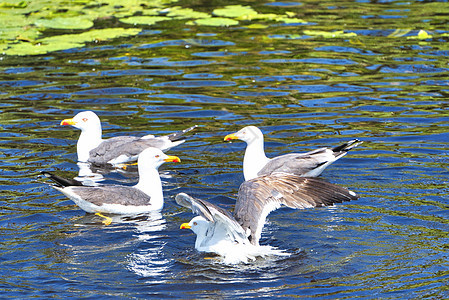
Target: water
[303, 91]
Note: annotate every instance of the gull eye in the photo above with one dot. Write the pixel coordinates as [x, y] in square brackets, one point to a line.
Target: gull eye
[157, 156]
[195, 223]
[85, 119]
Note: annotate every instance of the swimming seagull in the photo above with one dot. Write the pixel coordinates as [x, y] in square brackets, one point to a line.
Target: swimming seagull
[143, 197]
[310, 164]
[116, 150]
[236, 236]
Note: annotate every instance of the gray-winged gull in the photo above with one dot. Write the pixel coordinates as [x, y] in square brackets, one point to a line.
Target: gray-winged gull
[116, 150]
[236, 236]
[143, 197]
[309, 164]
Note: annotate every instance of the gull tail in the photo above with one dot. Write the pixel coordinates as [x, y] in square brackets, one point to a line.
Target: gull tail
[61, 181]
[344, 148]
[178, 135]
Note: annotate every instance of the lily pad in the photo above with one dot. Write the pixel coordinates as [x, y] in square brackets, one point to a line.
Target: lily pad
[332, 34]
[290, 20]
[214, 22]
[234, 11]
[24, 48]
[68, 41]
[186, 13]
[144, 20]
[65, 23]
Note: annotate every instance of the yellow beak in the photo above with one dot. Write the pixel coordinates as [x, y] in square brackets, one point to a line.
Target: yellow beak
[68, 122]
[185, 226]
[231, 136]
[172, 159]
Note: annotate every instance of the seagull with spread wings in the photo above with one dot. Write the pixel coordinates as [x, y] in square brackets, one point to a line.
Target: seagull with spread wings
[236, 236]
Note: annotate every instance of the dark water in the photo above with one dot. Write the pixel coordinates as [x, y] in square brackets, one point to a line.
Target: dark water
[303, 91]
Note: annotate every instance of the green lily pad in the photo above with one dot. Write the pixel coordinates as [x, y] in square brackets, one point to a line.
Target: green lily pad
[68, 41]
[332, 34]
[143, 20]
[24, 48]
[234, 11]
[65, 23]
[288, 20]
[214, 22]
[20, 4]
[186, 13]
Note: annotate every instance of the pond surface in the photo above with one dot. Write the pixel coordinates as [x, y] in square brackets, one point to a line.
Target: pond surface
[381, 79]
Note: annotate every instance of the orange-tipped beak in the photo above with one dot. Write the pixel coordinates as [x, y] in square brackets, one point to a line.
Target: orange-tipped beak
[68, 122]
[231, 136]
[185, 226]
[172, 159]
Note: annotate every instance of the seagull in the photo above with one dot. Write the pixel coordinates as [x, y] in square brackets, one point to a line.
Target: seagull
[235, 237]
[117, 150]
[145, 196]
[310, 164]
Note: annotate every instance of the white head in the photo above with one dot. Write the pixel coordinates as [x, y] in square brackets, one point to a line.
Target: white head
[153, 158]
[198, 225]
[247, 134]
[84, 120]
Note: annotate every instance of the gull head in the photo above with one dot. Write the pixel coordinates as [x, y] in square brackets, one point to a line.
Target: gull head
[247, 134]
[154, 158]
[198, 225]
[83, 121]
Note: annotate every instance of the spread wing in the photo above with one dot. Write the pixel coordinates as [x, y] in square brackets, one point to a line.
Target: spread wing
[260, 196]
[213, 214]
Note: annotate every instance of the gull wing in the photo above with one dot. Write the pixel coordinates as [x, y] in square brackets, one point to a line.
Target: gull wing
[213, 214]
[262, 195]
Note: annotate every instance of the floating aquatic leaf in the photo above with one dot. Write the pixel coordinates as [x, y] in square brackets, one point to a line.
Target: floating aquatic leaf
[214, 22]
[20, 4]
[259, 17]
[68, 41]
[24, 48]
[65, 23]
[234, 11]
[290, 20]
[144, 20]
[186, 13]
[333, 34]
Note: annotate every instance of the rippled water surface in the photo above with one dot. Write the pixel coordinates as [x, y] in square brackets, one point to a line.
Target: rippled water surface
[370, 81]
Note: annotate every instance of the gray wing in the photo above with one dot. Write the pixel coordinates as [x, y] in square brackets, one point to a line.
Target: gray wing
[297, 163]
[213, 214]
[112, 194]
[260, 196]
[130, 146]
[302, 163]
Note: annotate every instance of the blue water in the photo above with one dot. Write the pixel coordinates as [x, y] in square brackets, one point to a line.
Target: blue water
[303, 92]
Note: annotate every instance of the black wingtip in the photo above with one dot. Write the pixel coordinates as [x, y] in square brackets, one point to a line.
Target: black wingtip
[347, 146]
[178, 135]
[61, 181]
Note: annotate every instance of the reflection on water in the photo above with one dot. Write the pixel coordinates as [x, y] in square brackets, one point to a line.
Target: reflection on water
[304, 88]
